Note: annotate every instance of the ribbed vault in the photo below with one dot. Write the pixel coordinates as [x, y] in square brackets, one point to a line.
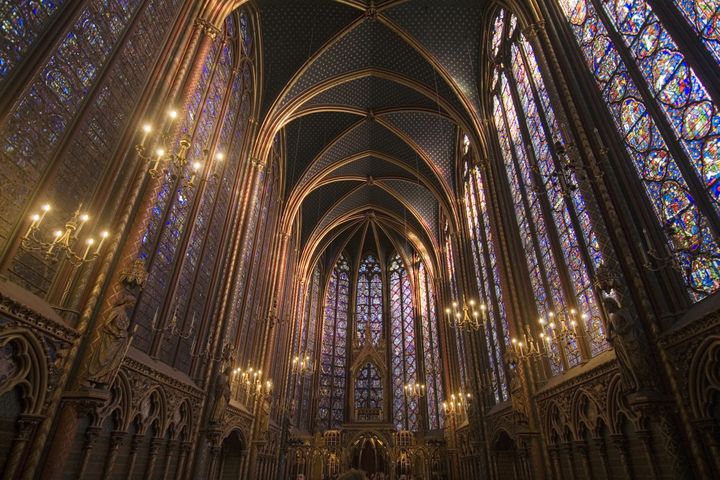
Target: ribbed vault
[372, 104]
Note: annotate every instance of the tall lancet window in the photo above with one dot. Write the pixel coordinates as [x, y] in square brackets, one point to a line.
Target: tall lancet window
[667, 119]
[369, 303]
[497, 334]
[561, 248]
[431, 348]
[305, 346]
[458, 334]
[402, 346]
[333, 351]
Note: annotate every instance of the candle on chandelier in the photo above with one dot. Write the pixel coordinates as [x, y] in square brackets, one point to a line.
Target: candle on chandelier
[103, 236]
[58, 234]
[89, 242]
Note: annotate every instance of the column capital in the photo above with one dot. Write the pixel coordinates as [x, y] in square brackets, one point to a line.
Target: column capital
[207, 27]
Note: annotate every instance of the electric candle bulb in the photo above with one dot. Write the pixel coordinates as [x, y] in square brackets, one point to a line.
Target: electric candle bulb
[173, 114]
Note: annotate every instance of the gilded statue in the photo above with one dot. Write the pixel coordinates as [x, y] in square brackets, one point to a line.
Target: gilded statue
[631, 348]
[112, 343]
[222, 395]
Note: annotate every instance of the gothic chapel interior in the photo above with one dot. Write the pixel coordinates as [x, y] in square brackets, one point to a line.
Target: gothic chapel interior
[357, 239]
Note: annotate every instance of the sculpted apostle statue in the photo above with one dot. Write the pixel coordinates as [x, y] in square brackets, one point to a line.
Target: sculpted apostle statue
[631, 347]
[222, 395]
[110, 347]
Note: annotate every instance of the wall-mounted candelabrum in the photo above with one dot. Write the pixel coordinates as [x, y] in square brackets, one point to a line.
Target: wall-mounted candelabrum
[172, 328]
[65, 243]
[457, 404]
[560, 338]
[414, 391]
[468, 317]
[302, 365]
[161, 156]
[251, 383]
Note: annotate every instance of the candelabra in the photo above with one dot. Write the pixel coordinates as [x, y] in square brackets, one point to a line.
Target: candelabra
[162, 153]
[64, 241]
[250, 380]
[457, 404]
[172, 326]
[467, 317]
[653, 260]
[302, 365]
[415, 391]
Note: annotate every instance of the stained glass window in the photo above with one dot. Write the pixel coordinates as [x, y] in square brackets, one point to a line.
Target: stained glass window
[22, 23]
[459, 339]
[561, 247]
[306, 346]
[402, 345]
[497, 336]
[333, 351]
[369, 303]
[669, 123]
[431, 348]
[176, 216]
[67, 87]
[704, 18]
[368, 393]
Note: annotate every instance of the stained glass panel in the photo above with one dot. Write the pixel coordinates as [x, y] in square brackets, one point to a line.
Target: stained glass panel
[402, 345]
[683, 100]
[333, 351]
[431, 349]
[369, 303]
[704, 17]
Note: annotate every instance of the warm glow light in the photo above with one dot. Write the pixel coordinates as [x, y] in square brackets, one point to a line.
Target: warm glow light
[46, 207]
[472, 303]
[173, 114]
[35, 217]
[147, 128]
[219, 156]
[447, 310]
[196, 166]
[90, 241]
[85, 217]
[105, 234]
[160, 152]
[58, 233]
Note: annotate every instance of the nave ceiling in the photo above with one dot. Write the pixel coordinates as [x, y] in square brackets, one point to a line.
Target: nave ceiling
[372, 100]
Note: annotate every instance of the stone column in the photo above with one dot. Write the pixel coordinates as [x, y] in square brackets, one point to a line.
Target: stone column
[91, 435]
[169, 454]
[116, 441]
[182, 460]
[645, 437]
[599, 443]
[135, 444]
[26, 426]
[620, 443]
[155, 444]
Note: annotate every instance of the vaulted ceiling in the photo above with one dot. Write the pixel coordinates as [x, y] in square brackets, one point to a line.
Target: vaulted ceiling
[371, 98]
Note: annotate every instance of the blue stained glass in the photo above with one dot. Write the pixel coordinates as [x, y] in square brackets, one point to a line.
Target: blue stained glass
[331, 396]
[402, 345]
[684, 102]
[369, 302]
[704, 17]
[21, 23]
[431, 349]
